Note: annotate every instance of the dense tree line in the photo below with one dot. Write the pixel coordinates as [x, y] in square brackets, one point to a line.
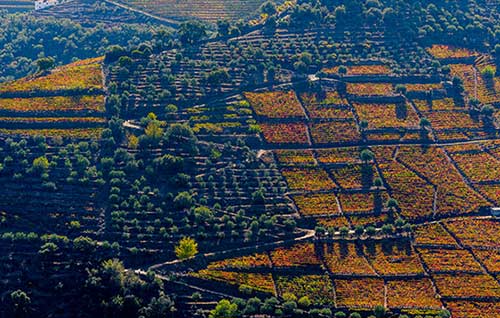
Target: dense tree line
[24, 39]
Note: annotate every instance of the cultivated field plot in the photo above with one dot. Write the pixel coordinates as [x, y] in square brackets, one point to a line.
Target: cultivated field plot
[374, 69]
[440, 51]
[65, 102]
[276, 104]
[427, 182]
[84, 75]
[209, 10]
[400, 273]
[330, 118]
[380, 116]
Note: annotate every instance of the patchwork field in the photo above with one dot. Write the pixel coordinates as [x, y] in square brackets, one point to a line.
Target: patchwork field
[316, 159]
[397, 181]
[398, 273]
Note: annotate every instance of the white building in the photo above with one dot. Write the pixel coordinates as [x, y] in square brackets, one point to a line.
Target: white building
[42, 4]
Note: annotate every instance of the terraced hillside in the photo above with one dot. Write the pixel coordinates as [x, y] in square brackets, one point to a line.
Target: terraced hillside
[448, 264]
[340, 159]
[395, 174]
[67, 102]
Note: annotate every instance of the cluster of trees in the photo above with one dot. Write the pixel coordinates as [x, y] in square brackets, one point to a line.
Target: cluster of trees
[111, 291]
[25, 39]
[458, 22]
[104, 289]
[151, 192]
[74, 163]
[292, 306]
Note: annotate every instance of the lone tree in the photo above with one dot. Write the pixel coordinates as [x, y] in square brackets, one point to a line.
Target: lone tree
[487, 111]
[192, 32]
[424, 128]
[20, 303]
[392, 204]
[497, 57]
[401, 89]
[488, 72]
[45, 63]
[268, 8]
[366, 169]
[40, 165]
[363, 126]
[216, 77]
[366, 156]
[379, 311]
[187, 248]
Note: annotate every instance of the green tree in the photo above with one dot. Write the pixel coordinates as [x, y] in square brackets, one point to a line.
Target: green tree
[203, 214]
[304, 302]
[183, 200]
[445, 314]
[258, 197]
[48, 249]
[425, 124]
[392, 204]
[488, 72]
[20, 303]
[84, 244]
[366, 156]
[344, 231]
[181, 135]
[186, 248]
[45, 63]
[40, 165]
[192, 32]
[370, 231]
[224, 309]
[359, 230]
[216, 77]
[379, 311]
[154, 132]
[363, 125]
[401, 89]
[342, 70]
[158, 307]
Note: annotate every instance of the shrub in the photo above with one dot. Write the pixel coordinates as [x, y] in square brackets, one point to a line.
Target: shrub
[186, 248]
[488, 72]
